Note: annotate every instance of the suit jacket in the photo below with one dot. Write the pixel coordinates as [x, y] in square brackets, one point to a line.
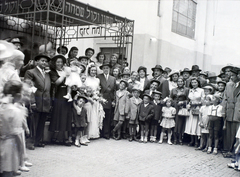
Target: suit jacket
[145, 113]
[43, 85]
[122, 103]
[108, 88]
[228, 101]
[146, 83]
[236, 94]
[133, 108]
[163, 87]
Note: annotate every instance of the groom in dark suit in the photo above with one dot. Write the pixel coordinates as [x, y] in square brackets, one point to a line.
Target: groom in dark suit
[108, 88]
[42, 82]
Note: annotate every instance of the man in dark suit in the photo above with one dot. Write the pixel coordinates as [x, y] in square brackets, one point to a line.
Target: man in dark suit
[42, 82]
[164, 85]
[230, 112]
[108, 88]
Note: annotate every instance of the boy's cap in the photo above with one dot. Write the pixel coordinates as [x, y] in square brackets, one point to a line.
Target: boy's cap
[126, 83]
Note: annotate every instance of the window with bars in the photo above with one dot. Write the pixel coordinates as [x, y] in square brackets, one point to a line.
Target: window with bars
[184, 17]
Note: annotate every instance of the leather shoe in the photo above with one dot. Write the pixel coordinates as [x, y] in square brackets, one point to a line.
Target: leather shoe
[31, 147]
[106, 137]
[40, 145]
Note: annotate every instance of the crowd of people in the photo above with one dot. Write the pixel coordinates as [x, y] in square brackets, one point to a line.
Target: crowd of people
[86, 98]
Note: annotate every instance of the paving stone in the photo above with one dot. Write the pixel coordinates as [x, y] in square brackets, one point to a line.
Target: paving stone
[103, 158]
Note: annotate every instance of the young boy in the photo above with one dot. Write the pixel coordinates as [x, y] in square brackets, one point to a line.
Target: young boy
[121, 108]
[157, 115]
[215, 124]
[145, 114]
[221, 87]
[134, 103]
[79, 118]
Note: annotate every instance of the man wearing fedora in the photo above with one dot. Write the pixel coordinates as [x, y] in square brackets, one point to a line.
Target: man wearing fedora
[42, 82]
[194, 73]
[62, 50]
[108, 88]
[164, 85]
[17, 43]
[230, 111]
[185, 73]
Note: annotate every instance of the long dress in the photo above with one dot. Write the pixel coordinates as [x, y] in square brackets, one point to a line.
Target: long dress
[61, 114]
[192, 127]
[177, 95]
[95, 119]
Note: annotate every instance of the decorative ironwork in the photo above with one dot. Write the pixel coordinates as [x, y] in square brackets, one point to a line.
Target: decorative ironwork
[63, 20]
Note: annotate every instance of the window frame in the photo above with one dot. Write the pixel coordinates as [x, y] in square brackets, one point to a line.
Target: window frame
[176, 25]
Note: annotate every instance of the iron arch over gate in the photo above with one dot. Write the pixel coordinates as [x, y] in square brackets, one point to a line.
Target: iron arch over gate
[60, 21]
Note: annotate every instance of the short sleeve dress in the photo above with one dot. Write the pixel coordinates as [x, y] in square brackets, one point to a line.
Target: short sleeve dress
[192, 127]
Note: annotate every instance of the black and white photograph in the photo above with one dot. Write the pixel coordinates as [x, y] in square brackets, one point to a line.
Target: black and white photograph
[113, 88]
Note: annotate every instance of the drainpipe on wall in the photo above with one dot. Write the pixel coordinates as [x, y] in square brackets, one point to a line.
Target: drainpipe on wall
[205, 36]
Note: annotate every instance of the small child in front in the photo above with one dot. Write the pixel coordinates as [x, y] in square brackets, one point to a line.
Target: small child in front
[133, 107]
[79, 118]
[157, 115]
[145, 114]
[121, 108]
[168, 114]
[203, 123]
[215, 124]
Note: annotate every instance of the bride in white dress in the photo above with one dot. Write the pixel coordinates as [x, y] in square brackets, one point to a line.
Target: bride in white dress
[96, 116]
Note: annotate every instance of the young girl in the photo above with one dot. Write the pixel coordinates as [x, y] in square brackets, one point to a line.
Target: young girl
[73, 78]
[145, 114]
[215, 124]
[83, 79]
[88, 107]
[157, 117]
[121, 108]
[134, 103]
[79, 118]
[203, 123]
[168, 114]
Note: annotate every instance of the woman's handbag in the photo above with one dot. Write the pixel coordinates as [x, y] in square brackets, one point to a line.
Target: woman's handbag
[195, 111]
[183, 112]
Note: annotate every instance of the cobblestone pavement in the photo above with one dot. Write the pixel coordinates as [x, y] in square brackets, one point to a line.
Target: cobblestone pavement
[103, 158]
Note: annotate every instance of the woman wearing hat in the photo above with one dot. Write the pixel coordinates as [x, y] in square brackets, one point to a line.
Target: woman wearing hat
[196, 95]
[143, 79]
[173, 79]
[61, 113]
[179, 96]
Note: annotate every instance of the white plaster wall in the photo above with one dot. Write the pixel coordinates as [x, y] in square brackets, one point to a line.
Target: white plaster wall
[216, 42]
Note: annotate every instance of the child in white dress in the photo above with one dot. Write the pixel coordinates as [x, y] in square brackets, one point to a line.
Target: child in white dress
[203, 123]
[73, 78]
[168, 114]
